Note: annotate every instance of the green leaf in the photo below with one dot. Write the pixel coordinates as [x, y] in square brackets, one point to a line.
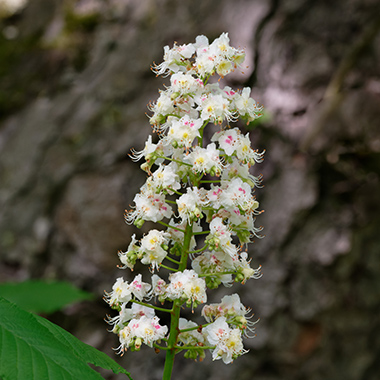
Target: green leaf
[31, 347]
[41, 296]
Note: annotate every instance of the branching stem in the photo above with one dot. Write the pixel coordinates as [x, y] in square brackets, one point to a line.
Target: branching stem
[166, 267]
[169, 226]
[172, 260]
[175, 314]
[152, 307]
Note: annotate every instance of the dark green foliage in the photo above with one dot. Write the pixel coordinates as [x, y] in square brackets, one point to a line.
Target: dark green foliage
[34, 348]
[41, 296]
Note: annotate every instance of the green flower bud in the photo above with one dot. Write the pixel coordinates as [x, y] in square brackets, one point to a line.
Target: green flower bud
[139, 223]
[244, 236]
[174, 95]
[197, 212]
[145, 167]
[250, 183]
[151, 158]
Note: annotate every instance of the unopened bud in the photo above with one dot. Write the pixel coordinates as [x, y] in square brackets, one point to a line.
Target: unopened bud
[196, 213]
[138, 343]
[145, 166]
[139, 223]
[151, 157]
[174, 95]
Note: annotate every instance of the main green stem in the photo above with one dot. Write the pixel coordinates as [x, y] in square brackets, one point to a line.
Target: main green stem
[175, 314]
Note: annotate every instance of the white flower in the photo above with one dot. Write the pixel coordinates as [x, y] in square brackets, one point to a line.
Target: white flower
[220, 238]
[185, 84]
[154, 240]
[239, 169]
[243, 222]
[227, 140]
[126, 314]
[204, 62]
[149, 149]
[216, 108]
[165, 178]
[229, 307]
[143, 329]
[151, 248]
[121, 292]
[190, 204]
[219, 56]
[125, 338]
[221, 46]
[173, 59]
[233, 142]
[238, 194]
[205, 160]
[200, 42]
[224, 67]
[163, 106]
[152, 151]
[195, 289]
[128, 258]
[245, 153]
[138, 288]
[137, 311]
[244, 269]
[215, 262]
[158, 286]
[234, 311]
[223, 50]
[246, 106]
[187, 286]
[228, 342]
[214, 196]
[148, 330]
[231, 348]
[217, 331]
[183, 131]
[149, 207]
[189, 338]
[243, 148]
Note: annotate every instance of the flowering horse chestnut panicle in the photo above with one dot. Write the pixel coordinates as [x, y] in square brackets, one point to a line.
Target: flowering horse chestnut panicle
[201, 196]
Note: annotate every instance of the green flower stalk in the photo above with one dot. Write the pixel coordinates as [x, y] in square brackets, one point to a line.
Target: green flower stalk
[202, 198]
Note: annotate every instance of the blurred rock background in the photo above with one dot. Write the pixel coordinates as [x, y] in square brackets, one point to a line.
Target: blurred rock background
[75, 82]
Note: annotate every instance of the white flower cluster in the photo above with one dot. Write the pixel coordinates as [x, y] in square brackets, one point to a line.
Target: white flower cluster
[135, 326]
[189, 180]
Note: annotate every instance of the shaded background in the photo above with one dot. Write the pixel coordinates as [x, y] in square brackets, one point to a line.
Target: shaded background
[75, 82]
